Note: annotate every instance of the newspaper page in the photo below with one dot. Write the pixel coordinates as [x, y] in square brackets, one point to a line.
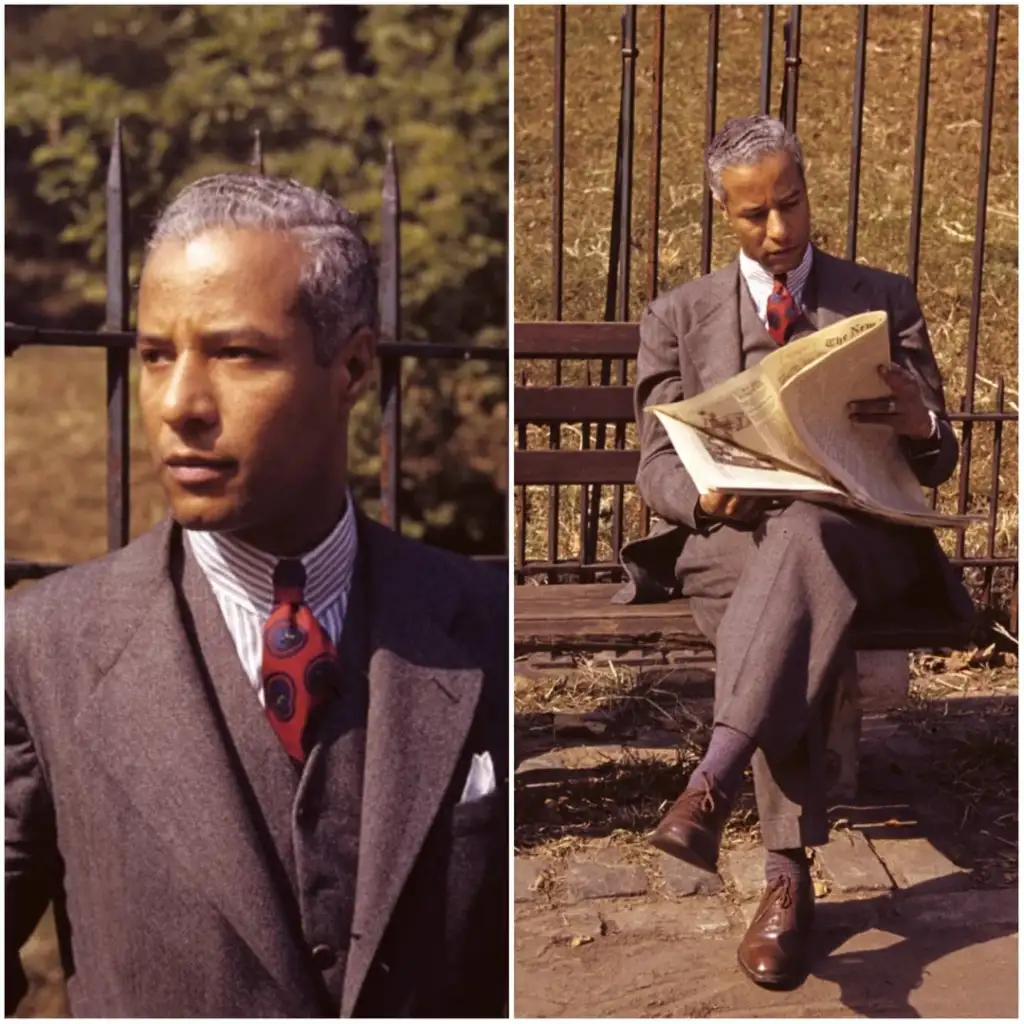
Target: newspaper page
[747, 410]
[865, 458]
[717, 465]
[791, 409]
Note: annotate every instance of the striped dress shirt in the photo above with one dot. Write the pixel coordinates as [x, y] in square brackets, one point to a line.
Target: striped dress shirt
[242, 580]
[760, 281]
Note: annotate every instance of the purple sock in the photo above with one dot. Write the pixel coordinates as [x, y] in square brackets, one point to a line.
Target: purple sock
[727, 758]
[791, 864]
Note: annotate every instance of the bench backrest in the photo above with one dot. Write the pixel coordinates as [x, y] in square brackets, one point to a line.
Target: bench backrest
[552, 405]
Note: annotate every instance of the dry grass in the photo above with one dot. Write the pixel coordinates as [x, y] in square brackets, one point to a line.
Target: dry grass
[824, 123]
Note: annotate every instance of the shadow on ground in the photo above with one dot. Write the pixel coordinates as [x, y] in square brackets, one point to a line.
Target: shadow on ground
[942, 770]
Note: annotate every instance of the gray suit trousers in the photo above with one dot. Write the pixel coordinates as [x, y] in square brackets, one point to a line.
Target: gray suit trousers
[777, 603]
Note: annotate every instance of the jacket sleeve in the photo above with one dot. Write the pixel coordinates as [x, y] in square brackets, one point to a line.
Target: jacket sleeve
[663, 482]
[32, 865]
[934, 460]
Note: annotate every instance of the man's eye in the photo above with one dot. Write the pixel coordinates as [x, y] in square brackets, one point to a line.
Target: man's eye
[241, 352]
[153, 355]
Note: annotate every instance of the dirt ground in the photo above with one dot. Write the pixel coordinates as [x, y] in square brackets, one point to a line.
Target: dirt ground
[878, 973]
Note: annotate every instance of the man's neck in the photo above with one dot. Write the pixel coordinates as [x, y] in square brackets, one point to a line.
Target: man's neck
[290, 539]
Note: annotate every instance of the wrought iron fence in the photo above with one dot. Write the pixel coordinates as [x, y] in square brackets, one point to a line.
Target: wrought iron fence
[586, 566]
[118, 340]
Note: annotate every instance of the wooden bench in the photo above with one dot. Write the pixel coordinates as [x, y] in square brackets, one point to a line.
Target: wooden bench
[564, 620]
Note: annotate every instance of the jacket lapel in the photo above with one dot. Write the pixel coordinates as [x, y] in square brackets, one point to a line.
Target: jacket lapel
[154, 728]
[832, 293]
[714, 342]
[424, 692]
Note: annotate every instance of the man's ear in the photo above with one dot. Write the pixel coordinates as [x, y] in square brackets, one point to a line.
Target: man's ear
[354, 370]
[723, 210]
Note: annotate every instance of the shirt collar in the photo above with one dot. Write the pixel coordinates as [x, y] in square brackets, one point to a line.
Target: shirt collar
[758, 279]
[244, 574]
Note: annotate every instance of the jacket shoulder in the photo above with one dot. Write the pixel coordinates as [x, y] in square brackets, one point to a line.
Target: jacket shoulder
[67, 614]
[681, 296]
[885, 281]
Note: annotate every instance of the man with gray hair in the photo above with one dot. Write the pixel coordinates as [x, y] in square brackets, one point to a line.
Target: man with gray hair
[257, 760]
[776, 589]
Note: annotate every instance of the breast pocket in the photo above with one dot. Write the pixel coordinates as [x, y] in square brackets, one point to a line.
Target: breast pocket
[480, 815]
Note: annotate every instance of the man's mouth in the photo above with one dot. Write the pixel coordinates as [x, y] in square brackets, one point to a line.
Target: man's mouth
[196, 470]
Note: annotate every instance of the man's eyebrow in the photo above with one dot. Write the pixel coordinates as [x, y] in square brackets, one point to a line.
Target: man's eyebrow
[153, 339]
[250, 334]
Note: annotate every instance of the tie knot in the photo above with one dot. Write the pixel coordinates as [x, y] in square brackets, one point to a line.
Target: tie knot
[289, 581]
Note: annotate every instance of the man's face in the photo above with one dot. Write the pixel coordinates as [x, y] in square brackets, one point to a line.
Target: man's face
[766, 206]
[245, 428]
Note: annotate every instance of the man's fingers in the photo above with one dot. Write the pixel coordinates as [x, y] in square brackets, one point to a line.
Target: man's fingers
[888, 419]
[883, 406]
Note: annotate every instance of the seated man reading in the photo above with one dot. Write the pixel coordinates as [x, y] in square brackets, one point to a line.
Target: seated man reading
[776, 589]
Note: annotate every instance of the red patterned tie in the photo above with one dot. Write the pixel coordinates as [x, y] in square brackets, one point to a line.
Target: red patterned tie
[783, 311]
[299, 662]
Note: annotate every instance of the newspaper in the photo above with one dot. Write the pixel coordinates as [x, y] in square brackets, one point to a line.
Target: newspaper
[782, 429]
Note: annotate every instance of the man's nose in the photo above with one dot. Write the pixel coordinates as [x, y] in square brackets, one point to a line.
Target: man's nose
[189, 397]
[778, 229]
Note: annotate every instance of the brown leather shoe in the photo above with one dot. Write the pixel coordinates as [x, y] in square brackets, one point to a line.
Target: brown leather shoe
[692, 828]
[774, 950]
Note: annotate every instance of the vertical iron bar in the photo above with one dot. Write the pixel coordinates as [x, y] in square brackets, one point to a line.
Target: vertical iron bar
[611, 302]
[917, 200]
[390, 330]
[558, 199]
[118, 514]
[993, 509]
[629, 54]
[657, 98]
[979, 256]
[791, 83]
[523, 508]
[767, 34]
[711, 105]
[557, 226]
[653, 254]
[256, 160]
[855, 137]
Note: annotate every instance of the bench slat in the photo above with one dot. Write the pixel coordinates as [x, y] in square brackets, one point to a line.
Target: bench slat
[545, 614]
[607, 466]
[613, 404]
[576, 340]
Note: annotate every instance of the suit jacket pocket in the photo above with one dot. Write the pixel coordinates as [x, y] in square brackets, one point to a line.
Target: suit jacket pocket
[478, 815]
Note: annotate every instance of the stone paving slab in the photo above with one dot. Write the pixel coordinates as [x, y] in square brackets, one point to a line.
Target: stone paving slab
[526, 873]
[850, 863]
[682, 879]
[914, 861]
[604, 875]
[969, 909]
[744, 870]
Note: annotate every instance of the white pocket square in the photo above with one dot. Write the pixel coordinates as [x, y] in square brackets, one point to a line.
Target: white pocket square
[480, 780]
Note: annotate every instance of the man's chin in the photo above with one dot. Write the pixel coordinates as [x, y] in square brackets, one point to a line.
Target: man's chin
[206, 516]
[784, 262]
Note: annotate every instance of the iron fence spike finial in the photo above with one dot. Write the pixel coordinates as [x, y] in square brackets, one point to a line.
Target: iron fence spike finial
[256, 161]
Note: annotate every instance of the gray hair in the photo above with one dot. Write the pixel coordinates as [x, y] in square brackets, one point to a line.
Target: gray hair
[746, 140]
[338, 288]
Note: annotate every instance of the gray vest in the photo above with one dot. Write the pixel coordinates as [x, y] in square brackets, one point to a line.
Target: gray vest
[309, 820]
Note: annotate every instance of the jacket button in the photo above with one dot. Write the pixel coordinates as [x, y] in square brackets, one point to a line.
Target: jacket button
[323, 957]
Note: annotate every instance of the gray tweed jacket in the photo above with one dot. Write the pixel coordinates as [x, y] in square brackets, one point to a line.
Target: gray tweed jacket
[122, 806]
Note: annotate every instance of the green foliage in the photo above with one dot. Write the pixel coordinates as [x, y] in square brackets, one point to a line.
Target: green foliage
[328, 88]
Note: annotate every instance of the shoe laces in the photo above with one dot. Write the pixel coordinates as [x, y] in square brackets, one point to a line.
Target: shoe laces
[705, 796]
[785, 884]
